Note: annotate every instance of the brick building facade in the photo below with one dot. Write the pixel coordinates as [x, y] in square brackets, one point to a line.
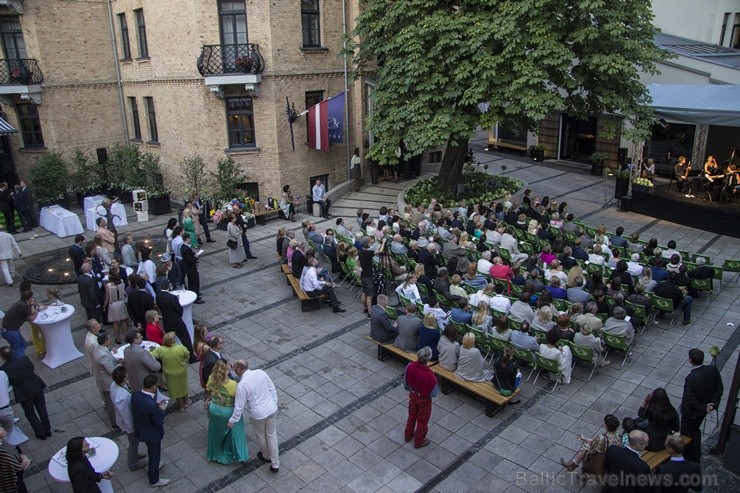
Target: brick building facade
[163, 75]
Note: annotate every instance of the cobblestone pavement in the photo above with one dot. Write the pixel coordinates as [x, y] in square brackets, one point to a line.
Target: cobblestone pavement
[342, 411]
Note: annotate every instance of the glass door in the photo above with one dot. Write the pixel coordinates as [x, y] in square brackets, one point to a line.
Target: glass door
[233, 24]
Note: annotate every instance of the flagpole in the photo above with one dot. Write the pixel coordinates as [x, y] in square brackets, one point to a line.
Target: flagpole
[346, 92]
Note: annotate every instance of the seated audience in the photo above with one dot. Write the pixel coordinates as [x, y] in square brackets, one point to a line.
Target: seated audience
[562, 355]
[429, 335]
[596, 445]
[448, 349]
[586, 339]
[470, 365]
[408, 330]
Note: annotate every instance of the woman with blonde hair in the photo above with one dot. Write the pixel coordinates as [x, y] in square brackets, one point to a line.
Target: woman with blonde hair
[543, 319]
[153, 331]
[470, 365]
[225, 445]
[482, 317]
[573, 273]
[174, 358]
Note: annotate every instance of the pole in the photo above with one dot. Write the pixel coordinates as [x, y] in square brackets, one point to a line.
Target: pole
[727, 419]
[119, 83]
[346, 91]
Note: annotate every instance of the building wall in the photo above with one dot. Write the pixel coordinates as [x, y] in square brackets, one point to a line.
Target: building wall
[700, 21]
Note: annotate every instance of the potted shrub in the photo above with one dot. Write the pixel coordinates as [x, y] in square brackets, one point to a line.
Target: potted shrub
[86, 179]
[537, 152]
[124, 172]
[244, 63]
[597, 163]
[49, 180]
[228, 174]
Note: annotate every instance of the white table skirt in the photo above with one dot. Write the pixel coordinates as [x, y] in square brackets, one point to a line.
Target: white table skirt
[187, 298]
[55, 324]
[93, 213]
[60, 221]
[104, 458]
[93, 201]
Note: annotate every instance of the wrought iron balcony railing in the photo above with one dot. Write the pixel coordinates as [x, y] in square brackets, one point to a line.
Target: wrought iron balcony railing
[230, 59]
[23, 71]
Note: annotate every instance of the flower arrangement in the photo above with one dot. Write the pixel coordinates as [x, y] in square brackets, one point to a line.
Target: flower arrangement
[244, 63]
[15, 72]
[245, 204]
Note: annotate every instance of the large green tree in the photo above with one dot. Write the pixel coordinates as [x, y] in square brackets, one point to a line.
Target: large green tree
[436, 60]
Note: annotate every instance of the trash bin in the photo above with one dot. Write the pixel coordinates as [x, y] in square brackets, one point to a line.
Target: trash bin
[309, 204]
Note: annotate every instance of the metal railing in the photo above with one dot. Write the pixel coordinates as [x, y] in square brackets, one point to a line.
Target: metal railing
[230, 59]
[22, 71]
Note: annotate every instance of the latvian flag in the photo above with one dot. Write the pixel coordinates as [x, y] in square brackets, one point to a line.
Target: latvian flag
[326, 122]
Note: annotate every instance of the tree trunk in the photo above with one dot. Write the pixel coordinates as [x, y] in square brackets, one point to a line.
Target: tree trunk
[450, 171]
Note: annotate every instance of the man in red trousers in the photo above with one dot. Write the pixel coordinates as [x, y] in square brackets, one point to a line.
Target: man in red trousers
[422, 386]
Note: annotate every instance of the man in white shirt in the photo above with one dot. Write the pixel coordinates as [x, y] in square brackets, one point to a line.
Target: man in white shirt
[484, 263]
[319, 197]
[633, 266]
[7, 418]
[91, 341]
[313, 287]
[8, 250]
[500, 302]
[120, 395]
[256, 393]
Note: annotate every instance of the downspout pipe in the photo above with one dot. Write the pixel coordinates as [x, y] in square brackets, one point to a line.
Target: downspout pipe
[119, 83]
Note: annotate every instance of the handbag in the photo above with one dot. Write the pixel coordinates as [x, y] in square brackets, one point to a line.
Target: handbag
[594, 464]
[232, 244]
[503, 392]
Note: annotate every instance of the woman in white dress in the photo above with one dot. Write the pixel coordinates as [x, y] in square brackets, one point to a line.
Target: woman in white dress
[409, 289]
[287, 203]
[562, 355]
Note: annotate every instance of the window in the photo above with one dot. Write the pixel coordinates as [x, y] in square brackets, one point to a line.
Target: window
[310, 23]
[153, 135]
[135, 117]
[725, 20]
[141, 33]
[735, 36]
[312, 98]
[125, 44]
[14, 46]
[233, 25]
[240, 120]
[28, 118]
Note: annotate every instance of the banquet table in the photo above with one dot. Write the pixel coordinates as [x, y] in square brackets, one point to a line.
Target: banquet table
[60, 221]
[106, 454]
[54, 322]
[187, 298]
[93, 213]
[148, 345]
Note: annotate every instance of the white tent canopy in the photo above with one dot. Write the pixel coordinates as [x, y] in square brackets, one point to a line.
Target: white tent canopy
[707, 104]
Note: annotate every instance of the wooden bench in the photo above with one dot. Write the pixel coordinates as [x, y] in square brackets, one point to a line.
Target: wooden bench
[286, 270]
[308, 304]
[484, 390]
[654, 459]
[262, 216]
[386, 350]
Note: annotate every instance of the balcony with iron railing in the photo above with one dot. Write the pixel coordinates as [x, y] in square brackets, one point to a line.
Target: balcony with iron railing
[240, 64]
[21, 76]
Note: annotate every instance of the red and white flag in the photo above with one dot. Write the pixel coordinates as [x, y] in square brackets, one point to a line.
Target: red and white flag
[318, 126]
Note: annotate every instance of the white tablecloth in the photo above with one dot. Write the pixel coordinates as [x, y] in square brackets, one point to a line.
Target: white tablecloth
[93, 213]
[55, 324]
[93, 201]
[60, 221]
[187, 298]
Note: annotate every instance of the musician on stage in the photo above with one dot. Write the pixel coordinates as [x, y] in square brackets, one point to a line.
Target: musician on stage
[681, 169]
[711, 167]
[648, 170]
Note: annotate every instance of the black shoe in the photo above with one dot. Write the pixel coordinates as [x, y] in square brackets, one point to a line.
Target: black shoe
[199, 301]
[41, 437]
[338, 309]
[48, 434]
[192, 360]
[210, 241]
[262, 457]
[251, 257]
[274, 469]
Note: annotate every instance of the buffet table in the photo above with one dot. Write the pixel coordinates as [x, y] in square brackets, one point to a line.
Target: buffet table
[94, 212]
[105, 455]
[60, 221]
[54, 322]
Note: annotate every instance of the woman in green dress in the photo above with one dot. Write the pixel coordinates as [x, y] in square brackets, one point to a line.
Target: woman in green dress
[189, 226]
[225, 445]
[174, 358]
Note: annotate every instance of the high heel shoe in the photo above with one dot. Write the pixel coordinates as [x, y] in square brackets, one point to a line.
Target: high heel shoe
[570, 465]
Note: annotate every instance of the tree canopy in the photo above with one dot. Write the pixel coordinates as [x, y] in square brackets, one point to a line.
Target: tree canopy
[436, 60]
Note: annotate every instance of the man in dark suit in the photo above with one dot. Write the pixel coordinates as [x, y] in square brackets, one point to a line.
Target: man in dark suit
[381, 328]
[677, 475]
[215, 345]
[426, 257]
[298, 260]
[87, 286]
[139, 302]
[149, 425]
[171, 310]
[29, 391]
[200, 209]
[77, 253]
[625, 469]
[190, 270]
[702, 392]
[22, 200]
[7, 206]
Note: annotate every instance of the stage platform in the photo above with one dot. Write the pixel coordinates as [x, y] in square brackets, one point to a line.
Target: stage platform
[669, 205]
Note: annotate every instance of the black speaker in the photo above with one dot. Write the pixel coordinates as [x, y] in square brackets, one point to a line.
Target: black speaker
[622, 156]
[102, 155]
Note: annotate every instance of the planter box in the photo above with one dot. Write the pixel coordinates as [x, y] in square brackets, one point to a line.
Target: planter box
[537, 154]
[251, 223]
[621, 186]
[159, 205]
[643, 189]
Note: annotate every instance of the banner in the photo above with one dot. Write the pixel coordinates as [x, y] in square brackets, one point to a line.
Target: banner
[326, 122]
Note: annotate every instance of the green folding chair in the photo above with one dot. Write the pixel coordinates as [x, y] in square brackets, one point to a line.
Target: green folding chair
[664, 305]
[703, 286]
[527, 248]
[619, 343]
[640, 314]
[514, 323]
[585, 355]
[392, 314]
[524, 356]
[548, 366]
[540, 335]
[719, 272]
[423, 291]
[516, 290]
[733, 266]
[559, 304]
